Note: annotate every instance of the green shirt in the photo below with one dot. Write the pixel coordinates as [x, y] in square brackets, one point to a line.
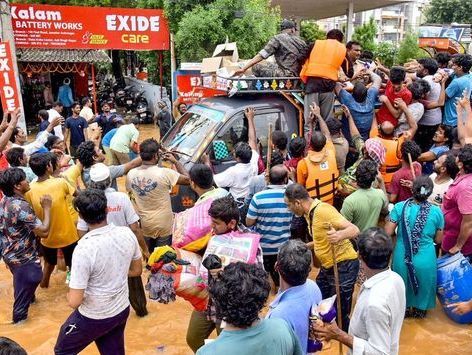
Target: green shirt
[270, 336]
[123, 137]
[215, 193]
[363, 207]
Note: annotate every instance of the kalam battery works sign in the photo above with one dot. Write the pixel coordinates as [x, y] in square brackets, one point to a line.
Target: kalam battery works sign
[76, 27]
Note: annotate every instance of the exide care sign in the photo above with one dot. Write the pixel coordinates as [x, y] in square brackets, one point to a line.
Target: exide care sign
[8, 88]
[76, 27]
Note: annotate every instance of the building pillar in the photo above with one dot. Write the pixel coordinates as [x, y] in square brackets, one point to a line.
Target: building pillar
[349, 23]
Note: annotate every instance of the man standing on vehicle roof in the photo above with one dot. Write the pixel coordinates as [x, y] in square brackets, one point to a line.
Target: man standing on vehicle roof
[288, 49]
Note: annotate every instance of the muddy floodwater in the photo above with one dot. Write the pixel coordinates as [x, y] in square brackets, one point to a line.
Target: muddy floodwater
[163, 330]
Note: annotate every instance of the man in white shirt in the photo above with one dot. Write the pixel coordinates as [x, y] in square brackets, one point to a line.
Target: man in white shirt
[19, 137]
[86, 111]
[377, 318]
[432, 117]
[56, 111]
[98, 288]
[120, 212]
[238, 177]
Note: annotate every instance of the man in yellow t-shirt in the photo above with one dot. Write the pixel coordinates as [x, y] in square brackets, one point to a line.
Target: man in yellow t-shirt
[62, 232]
[329, 230]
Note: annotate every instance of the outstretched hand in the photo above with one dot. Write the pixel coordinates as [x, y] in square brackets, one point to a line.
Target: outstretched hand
[250, 112]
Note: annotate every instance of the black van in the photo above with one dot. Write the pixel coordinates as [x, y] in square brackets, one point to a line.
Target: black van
[216, 124]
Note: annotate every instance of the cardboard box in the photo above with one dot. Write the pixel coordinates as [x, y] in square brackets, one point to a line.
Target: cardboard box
[224, 55]
[228, 50]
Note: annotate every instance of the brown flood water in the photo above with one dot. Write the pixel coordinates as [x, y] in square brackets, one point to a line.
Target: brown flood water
[163, 330]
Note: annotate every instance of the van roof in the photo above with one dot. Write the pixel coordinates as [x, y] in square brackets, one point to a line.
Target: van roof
[231, 105]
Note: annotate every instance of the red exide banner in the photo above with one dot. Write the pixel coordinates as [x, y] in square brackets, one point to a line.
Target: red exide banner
[8, 88]
[190, 89]
[77, 27]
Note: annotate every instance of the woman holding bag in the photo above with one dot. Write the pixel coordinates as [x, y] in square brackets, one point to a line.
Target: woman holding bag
[420, 224]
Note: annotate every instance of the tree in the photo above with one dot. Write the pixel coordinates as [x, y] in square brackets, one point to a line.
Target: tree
[249, 23]
[385, 52]
[448, 11]
[365, 35]
[409, 49]
[310, 31]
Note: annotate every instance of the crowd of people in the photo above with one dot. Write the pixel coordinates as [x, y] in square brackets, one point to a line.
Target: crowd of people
[370, 199]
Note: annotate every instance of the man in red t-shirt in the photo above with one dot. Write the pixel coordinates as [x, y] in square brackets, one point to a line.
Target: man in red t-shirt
[395, 89]
[400, 187]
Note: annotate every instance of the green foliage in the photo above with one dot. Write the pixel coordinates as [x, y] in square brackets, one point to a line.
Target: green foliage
[310, 31]
[409, 49]
[386, 52]
[365, 35]
[249, 23]
[447, 11]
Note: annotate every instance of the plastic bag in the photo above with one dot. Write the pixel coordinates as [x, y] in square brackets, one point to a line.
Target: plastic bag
[192, 228]
[230, 247]
[323, 312]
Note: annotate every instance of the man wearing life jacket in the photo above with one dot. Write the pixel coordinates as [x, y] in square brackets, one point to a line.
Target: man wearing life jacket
[320, 73]
[318, 171]
[392, 144]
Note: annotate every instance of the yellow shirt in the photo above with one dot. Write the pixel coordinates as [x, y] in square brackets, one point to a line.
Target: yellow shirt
[71, 175]
[325, 213]
[62, 230]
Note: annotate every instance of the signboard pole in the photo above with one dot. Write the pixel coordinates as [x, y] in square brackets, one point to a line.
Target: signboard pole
[94, 88]
[7, 36]
[173, 68]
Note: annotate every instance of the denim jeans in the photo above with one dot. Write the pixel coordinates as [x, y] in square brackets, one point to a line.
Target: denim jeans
[347, 271]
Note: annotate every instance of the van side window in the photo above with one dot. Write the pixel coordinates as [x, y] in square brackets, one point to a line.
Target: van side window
[226, 139]
[262, 121]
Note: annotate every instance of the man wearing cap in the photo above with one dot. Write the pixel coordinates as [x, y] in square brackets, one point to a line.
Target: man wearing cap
[289, 52]
[120, 212]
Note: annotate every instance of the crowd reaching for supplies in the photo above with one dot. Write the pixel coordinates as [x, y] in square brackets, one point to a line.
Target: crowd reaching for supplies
[369, 195]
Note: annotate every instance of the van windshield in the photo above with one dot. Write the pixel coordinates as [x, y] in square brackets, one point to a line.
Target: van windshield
[192, 128]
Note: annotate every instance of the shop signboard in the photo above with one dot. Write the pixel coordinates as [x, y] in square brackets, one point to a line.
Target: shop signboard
[79, 27]
[8, 89]
[189, 87]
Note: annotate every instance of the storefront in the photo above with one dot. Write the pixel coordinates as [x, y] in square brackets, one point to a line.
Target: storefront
[40, 67]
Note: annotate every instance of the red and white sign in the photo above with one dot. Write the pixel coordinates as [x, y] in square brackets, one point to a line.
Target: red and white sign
[190, 88]
[8, 88]
[77, 27]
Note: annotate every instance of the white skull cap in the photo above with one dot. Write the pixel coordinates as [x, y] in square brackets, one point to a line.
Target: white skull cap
[99, 172]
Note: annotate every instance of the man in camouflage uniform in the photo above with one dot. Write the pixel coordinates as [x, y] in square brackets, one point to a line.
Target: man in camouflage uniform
[288, 49]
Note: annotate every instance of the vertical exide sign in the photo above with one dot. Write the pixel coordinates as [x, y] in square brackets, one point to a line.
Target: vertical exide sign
[8, 88]
[77, 27]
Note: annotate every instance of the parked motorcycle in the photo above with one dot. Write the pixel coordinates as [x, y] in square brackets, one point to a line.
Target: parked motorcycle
[143, 113]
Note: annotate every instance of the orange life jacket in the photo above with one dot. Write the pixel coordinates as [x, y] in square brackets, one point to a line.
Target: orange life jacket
[325, 60]
[393, 160]
[322, 179]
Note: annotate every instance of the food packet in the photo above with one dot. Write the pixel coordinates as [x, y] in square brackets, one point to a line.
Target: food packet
[324, 312]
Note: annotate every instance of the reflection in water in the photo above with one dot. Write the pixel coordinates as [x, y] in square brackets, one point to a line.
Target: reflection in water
[164, 329]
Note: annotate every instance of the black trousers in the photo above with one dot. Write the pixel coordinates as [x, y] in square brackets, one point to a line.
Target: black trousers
[347, 271]
[269, 266]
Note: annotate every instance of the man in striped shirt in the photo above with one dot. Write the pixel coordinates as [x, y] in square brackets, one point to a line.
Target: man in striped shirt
[269, 213]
